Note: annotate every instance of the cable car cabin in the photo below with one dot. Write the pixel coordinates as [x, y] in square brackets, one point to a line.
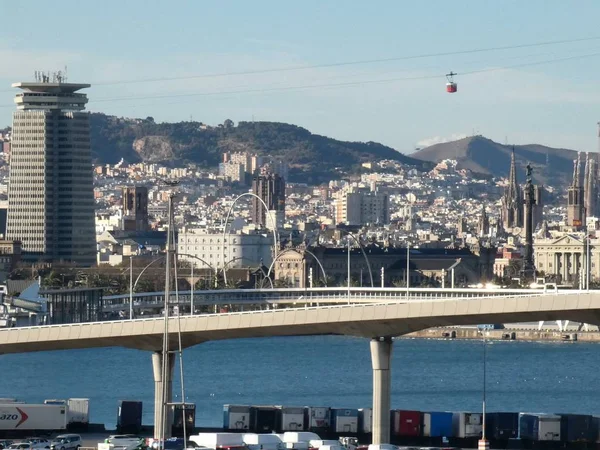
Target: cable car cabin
[451, 87]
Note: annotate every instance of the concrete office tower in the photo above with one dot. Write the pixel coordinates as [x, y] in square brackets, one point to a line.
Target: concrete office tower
[50, 194]
[135, 208]
[512, 201]
[575, 200]
[271, 189]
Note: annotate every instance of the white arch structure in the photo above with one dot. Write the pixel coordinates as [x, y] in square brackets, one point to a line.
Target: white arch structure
[268, 212]
[294, 250]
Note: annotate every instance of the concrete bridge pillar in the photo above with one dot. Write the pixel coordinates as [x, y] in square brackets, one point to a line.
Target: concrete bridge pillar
[159, 386]
[381, 354]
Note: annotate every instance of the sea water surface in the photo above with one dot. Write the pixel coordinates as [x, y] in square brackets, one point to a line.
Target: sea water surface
[427, 375]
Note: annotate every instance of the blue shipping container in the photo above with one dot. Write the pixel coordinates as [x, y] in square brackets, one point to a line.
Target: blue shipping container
[577, 428]
[344, 420]
[437, 424]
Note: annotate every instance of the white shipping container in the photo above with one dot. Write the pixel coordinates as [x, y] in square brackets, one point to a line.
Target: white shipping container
[292, 418]
[467, 424]
[365, 419]
[33, 417]
[215, 440]
[236, 417]
[79, 411]
[548, 427]
[319, 417]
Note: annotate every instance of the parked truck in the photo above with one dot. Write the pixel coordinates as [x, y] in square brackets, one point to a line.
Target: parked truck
[16, 417]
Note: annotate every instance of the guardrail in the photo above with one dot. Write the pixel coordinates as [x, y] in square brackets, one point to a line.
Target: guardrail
[259, 310]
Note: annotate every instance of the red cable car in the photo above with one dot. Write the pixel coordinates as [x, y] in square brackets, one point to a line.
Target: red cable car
[451, 86]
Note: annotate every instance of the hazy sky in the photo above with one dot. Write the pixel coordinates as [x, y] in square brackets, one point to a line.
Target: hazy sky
[556, 103]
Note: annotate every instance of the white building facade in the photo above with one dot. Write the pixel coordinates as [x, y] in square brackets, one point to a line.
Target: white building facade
[208, 249]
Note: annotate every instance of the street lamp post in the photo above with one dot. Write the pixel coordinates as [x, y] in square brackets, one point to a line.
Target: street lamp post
[348, 267]
[192, 292]
[407, 268]
[131, 287]
[483, 443]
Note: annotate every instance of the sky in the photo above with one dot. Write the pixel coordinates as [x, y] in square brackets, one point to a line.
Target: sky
[221, 60]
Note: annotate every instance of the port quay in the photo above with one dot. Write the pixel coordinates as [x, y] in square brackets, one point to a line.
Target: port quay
[377, 314]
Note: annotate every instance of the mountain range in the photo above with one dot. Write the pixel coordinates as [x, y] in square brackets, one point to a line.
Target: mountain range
[551, 166]
[312, 158]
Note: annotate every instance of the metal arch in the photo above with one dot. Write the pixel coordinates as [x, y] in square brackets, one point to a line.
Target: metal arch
[144, 269]
[274, 223]
[198, 258]
[201, 260]
[348, 233]
[294, 250]
[242, 258]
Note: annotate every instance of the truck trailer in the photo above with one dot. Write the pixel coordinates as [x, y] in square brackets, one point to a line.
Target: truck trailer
[15, 417]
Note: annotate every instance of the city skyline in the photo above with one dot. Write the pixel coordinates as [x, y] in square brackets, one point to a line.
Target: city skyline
[550, 103]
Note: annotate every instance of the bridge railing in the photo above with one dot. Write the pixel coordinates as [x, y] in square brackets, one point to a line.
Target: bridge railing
[266, 308]
[205, 301]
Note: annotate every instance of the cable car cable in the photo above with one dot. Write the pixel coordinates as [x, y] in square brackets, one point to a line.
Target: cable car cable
[348, 63]
[331, 85]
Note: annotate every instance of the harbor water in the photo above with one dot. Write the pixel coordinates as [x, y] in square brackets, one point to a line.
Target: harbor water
[428, 375]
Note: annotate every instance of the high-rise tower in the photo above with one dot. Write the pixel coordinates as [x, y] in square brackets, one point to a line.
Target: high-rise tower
[590, 185]
[575, 201]
[270, 188]
[50, 194]
[512, 201]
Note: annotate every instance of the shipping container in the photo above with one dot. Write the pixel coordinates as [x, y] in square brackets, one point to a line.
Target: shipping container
[219, 440]
[539, 427]
[596, 420]
[183, 413]
[129, 417]
[319, 418]
[18, 416]
[500, 425]
[344, 420]
[577, 428]
[236, 417]
[263, 441]
[265, 419]
[292, 418]
[79, 411]
[405, 423]
[365, 420]
[466, 425]
[437, 424]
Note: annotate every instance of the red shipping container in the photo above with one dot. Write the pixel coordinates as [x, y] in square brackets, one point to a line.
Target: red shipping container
[406, 423]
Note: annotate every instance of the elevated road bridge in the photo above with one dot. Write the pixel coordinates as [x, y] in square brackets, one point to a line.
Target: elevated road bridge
[380, 316]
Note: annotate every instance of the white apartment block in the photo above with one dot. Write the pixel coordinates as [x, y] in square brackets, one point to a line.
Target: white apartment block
[210, 250]
[358, 208]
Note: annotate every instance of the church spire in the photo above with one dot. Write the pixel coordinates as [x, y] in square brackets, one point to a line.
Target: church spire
[576, 176]
[512, 176]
